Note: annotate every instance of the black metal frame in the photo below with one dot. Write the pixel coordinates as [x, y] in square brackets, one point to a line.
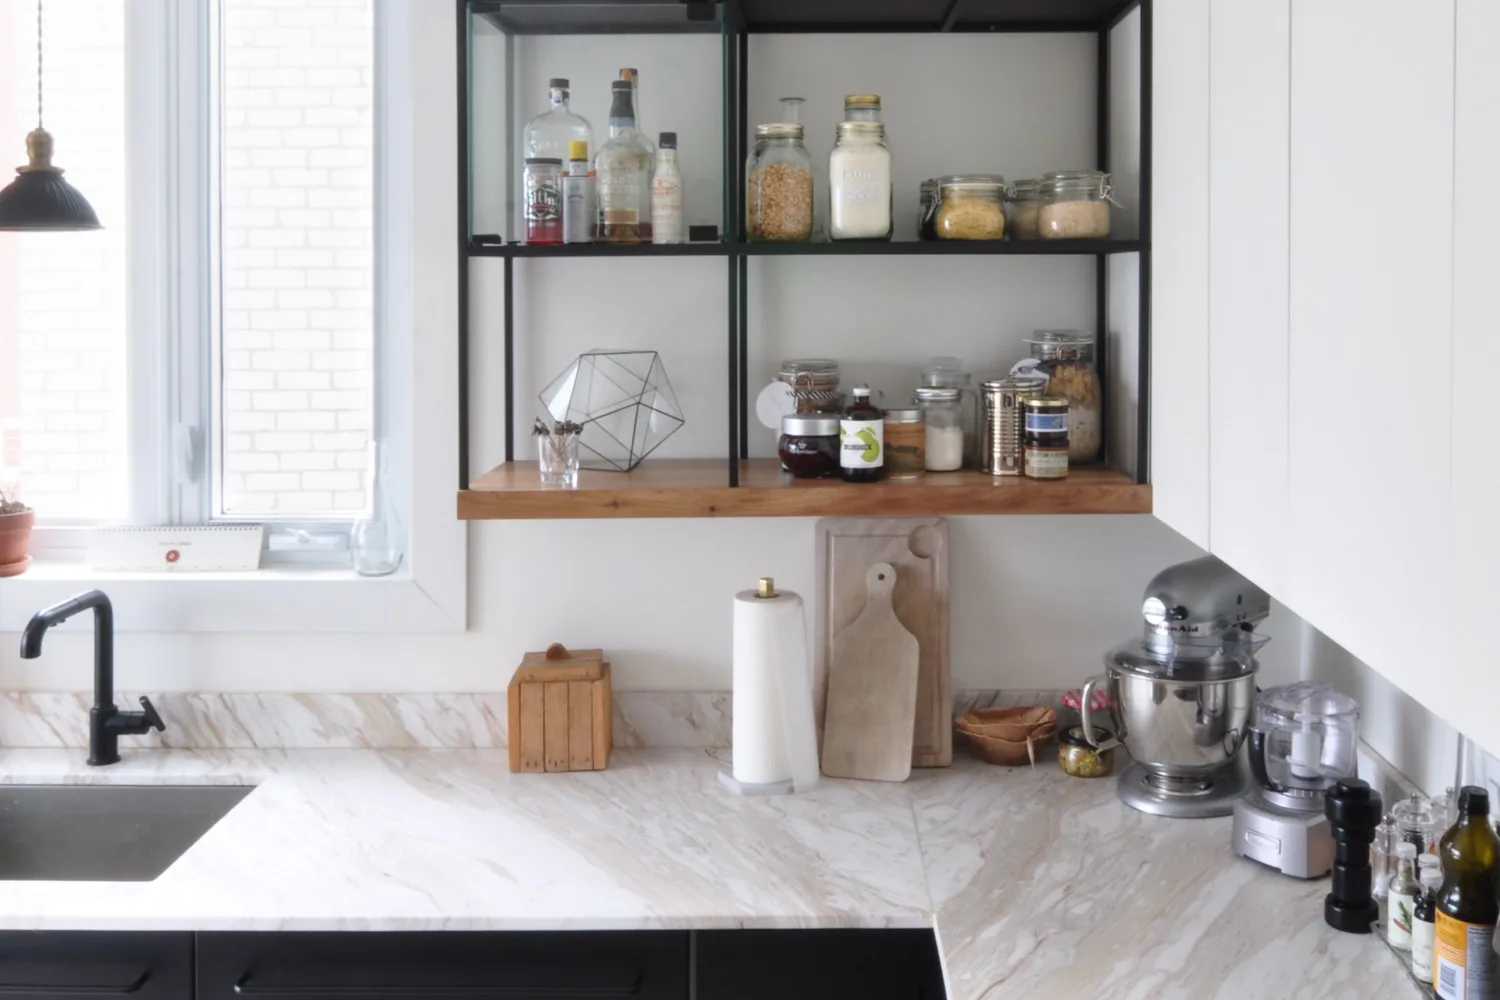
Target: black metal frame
[735, 26]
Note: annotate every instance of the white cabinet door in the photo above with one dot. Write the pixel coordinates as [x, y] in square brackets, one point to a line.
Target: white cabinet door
[1248, 162]
[1179, 267]
[1368, 558]
[1470, 693]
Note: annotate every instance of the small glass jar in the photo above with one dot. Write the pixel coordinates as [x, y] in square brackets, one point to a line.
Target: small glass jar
[779, 185]
[809, 446]
[943, 415]
[926, 210]
[1045, 440]
[970, 207]
[905, 443]
[1023, 206]
[1066, 358]
[815, 385]
[948, 373]
[859, 183]
[1082, 759]
[861, 107]
[1075, 205]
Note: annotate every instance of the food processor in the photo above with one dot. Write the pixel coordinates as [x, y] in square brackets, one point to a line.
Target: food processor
[1302, 743]
[1182, 693]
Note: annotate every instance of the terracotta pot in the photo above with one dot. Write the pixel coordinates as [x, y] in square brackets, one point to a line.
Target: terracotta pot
[15, 542]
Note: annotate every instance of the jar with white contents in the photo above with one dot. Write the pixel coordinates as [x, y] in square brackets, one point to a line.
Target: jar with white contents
[943, 413]
[1066, 357]
[859, 183]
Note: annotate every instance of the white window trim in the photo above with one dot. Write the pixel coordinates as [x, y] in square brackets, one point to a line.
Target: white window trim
[417, 263]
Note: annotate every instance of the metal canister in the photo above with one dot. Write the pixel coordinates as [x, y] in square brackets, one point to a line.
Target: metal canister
[1000, 435]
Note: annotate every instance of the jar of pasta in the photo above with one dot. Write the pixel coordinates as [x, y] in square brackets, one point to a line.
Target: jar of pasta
[970, 207]
[1066, 358]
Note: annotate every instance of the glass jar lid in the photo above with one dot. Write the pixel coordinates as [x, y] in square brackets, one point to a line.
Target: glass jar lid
[778, 130]
[809, 425]
[937, 394]
[1073, 737]
[548, 161]
[1075, 180]
[809, 372]
[1061, 345]
[1201, 660]
[903, 415]
[945, 373]
[1028, 189]
[972, 184]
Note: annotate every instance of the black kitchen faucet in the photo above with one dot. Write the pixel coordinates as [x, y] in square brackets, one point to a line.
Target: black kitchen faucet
[106, 722]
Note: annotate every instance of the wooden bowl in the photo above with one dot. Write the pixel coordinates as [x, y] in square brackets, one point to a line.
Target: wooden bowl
[1012, 753]
[1014, 725]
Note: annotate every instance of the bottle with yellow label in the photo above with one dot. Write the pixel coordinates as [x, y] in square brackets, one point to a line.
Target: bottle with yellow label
[1466, 966]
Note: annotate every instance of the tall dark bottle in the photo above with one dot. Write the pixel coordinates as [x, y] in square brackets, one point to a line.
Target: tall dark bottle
[861, 439]
[1466, 966]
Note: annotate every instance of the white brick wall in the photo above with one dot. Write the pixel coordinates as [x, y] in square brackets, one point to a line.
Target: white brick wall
[297, 249]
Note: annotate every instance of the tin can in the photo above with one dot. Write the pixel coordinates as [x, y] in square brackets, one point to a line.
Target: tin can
[1000, 435]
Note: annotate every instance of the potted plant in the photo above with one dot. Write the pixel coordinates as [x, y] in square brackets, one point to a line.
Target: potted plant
[16, 520]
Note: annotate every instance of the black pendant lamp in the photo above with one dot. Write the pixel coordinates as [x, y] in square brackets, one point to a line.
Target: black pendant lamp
[39, 200]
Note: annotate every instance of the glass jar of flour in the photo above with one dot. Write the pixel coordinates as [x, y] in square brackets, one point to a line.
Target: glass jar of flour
[859, 183]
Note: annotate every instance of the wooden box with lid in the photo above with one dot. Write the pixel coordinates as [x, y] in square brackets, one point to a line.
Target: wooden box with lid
[560, 708]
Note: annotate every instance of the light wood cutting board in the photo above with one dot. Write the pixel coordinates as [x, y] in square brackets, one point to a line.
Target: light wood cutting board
[872, 690]
[918, 548]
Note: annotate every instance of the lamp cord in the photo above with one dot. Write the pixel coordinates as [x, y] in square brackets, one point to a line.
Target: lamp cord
[38, 63]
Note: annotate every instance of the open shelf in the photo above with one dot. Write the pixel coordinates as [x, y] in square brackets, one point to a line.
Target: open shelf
[700, 488]
[815, 248]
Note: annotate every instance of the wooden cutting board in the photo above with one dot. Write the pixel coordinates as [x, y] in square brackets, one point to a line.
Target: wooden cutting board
[918, 548]
[872, 690]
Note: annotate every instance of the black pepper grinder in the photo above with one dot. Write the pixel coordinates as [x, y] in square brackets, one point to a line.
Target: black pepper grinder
[1353, 809]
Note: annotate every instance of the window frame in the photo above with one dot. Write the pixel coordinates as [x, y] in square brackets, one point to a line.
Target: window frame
[169, 72]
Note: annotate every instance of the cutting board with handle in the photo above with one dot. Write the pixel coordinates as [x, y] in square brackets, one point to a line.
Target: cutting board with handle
[872, 690]
[918, 548]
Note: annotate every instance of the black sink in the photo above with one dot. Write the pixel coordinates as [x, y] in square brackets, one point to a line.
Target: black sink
[105, 833]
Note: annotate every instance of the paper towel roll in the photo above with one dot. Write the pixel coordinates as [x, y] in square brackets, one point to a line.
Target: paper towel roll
[774, 736]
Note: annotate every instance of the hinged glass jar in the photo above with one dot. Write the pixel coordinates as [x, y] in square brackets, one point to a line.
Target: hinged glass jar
[970, 207]
[1023, 206]
[815, 385]
[926, 210]
[1075, 205]
[859, 183]
[779, 185]
[943, 415]
[1066, 358]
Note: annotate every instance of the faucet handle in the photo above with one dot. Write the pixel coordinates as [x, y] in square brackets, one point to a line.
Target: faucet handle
[152, 719]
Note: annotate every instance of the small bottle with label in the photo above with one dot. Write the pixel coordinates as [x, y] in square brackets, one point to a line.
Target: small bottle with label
[1044, 440]
[1423, 928]
[1404, 891]
[580, 212]
[666, 194]
[861, 439]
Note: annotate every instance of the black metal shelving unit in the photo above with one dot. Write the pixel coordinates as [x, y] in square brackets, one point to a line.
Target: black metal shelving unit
[734, 21]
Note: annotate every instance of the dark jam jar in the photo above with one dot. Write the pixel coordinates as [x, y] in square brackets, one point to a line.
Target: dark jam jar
[809, 445]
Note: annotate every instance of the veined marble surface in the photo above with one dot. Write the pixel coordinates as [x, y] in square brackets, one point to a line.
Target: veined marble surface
[1038, 885]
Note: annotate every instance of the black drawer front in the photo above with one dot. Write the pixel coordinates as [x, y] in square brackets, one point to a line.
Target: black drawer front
[818, 965]
[75, 965]
[433, 966]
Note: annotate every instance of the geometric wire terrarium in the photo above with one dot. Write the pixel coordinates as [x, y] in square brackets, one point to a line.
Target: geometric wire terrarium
[624, 402]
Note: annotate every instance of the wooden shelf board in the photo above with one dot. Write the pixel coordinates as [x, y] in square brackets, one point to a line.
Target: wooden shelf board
[700, 488]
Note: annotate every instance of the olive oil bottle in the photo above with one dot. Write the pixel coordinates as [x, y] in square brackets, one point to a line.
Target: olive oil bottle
[1467, 967]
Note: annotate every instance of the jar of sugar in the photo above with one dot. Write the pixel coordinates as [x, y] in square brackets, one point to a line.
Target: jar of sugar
[943, 415]
[859, 183]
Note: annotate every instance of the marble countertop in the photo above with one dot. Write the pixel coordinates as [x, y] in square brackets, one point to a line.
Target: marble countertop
[1038, 885]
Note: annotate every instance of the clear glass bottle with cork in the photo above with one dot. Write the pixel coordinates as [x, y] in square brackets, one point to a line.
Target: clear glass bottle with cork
[623, 169]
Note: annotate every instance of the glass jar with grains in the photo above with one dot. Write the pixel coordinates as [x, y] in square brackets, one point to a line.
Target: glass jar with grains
[1066, 357]
[971, 207]
[1023, 206]
[1075, 205]
[779, 185]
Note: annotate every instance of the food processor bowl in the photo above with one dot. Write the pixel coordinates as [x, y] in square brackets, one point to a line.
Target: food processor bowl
[1304, 737]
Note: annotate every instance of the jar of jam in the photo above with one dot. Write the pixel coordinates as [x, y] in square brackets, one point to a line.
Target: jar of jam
[809, 445]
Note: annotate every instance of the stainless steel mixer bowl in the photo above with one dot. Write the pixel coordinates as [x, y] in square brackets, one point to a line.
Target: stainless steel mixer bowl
[1180, 728]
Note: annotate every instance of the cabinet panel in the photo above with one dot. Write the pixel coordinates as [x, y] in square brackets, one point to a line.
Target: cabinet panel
[1179, 266]
[429, 966]
[1249, 83]
[1468, 700]
[1371, 329]
[75, 965]
[816, 965]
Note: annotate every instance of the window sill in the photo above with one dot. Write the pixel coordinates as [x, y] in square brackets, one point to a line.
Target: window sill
[279, 599]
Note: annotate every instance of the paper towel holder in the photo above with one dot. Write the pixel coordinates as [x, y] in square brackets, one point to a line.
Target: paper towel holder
[766, 588]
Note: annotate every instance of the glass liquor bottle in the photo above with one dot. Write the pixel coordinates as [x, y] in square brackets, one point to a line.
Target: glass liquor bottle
[549, 133]
[644, 134]
[623, 169]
